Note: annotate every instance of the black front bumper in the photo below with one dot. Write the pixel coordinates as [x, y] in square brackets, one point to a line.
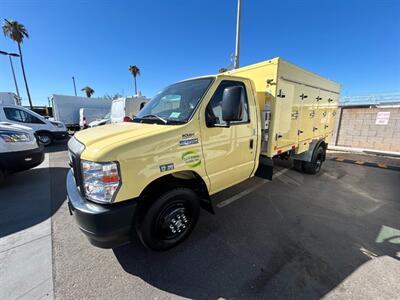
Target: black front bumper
[21, 160]
[59, 135]
[106, 226]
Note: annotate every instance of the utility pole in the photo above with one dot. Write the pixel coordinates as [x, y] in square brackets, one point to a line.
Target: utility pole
[73, 80]
[237, 46]
[12, 70]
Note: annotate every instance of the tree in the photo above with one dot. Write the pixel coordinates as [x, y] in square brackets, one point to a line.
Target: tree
[222, 70]
[17, 32]
[113, 96]
[88, 91]
[134, 71]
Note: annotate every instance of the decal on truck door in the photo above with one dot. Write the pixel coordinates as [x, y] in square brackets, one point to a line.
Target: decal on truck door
[191, 158]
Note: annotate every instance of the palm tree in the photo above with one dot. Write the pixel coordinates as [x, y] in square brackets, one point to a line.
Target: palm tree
[88, 91]
[17, 32]
[134, 71]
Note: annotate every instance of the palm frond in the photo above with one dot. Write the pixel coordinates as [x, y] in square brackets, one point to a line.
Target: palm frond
[15, 31]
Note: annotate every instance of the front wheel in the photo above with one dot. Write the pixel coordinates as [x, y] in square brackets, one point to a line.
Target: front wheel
[44, 138]
[169, 220]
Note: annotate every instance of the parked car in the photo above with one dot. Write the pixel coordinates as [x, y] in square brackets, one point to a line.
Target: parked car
[66, 108]
[87, 115]
[124, 109]
[46, 130]
[19, 149]
[103, 121]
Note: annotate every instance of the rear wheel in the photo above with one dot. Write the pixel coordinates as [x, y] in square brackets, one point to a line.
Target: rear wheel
[44, 138]
[169, 220]
[314, 166]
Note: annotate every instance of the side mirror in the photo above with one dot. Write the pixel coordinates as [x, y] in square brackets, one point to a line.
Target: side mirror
[232, 104]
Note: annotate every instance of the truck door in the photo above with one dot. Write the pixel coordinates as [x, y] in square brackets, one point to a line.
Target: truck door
[229, 152]
[287, 111]
[322, 114]
[333, 101]
[308, 96]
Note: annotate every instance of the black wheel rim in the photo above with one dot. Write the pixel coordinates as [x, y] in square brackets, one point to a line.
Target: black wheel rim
[44, 139]
[173, 221]
[318, 162]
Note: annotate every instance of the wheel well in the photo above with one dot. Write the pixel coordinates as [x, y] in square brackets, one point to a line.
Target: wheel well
[188, 179]
[44, 131]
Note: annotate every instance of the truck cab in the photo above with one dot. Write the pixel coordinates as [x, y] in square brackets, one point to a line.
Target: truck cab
[150, 176]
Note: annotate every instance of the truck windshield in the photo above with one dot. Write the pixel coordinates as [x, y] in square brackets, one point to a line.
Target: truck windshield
[176, 103]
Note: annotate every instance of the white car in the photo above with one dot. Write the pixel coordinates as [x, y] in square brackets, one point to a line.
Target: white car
[88, 115]
[99, 122]
[47, 131]
[19, 149]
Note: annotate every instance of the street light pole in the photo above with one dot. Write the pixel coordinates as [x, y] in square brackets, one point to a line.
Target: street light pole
[237, 46]
[12, 69]
[15, 80]
[73, 80]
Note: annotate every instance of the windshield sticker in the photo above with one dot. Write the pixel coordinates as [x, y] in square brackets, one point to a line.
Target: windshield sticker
[188, 142]
[191, 158]
[175, 115]
[166, 167]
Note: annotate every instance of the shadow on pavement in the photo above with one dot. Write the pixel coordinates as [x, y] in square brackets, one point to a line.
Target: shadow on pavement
[57, 146]
[27, 198]
[300, 245]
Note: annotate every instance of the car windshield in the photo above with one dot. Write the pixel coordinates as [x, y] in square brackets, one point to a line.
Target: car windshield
[176, 103]
[107, 116]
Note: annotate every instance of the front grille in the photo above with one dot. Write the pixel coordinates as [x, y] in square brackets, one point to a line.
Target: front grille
[74, 152]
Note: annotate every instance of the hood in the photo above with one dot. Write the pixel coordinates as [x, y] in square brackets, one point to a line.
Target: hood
[110, 134]
[15, 127]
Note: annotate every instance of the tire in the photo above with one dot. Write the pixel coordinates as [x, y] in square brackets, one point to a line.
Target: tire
[298, 165]
[169, 220]
[314, 166]
[45, 138]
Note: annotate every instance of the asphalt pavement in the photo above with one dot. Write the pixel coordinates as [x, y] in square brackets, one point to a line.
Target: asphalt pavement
[333, 235]
[336, 234]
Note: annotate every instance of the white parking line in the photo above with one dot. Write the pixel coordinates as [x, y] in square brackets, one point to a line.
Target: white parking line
[249, 190]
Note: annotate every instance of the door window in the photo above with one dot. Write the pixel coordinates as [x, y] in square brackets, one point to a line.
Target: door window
[214, 107]
[19, 115]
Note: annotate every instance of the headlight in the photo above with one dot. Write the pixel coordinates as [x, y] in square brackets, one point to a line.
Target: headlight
[59, 125]
[100, 180]
[13, 136]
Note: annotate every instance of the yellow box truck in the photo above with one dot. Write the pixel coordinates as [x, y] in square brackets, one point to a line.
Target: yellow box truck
[194, 139]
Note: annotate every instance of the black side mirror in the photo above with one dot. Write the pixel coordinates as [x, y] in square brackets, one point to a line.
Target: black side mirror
[232, 104]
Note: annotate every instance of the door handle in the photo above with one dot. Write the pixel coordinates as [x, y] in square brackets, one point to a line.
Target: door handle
[251, 143]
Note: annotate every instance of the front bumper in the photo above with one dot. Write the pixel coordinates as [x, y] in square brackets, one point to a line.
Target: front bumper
[21, 160]
[59, 135]
[106, 226]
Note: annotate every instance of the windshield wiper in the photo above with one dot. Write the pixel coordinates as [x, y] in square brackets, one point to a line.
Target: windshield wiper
[153, 116]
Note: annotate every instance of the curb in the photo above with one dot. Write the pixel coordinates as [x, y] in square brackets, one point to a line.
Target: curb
[364, 151]
[367, 164]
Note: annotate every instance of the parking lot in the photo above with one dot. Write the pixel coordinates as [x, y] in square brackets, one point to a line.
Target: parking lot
[299, 236]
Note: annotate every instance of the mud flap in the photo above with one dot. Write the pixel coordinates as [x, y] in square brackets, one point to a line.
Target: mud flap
[265, 168]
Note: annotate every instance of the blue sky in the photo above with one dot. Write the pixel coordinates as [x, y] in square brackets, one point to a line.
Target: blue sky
[356, 43]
